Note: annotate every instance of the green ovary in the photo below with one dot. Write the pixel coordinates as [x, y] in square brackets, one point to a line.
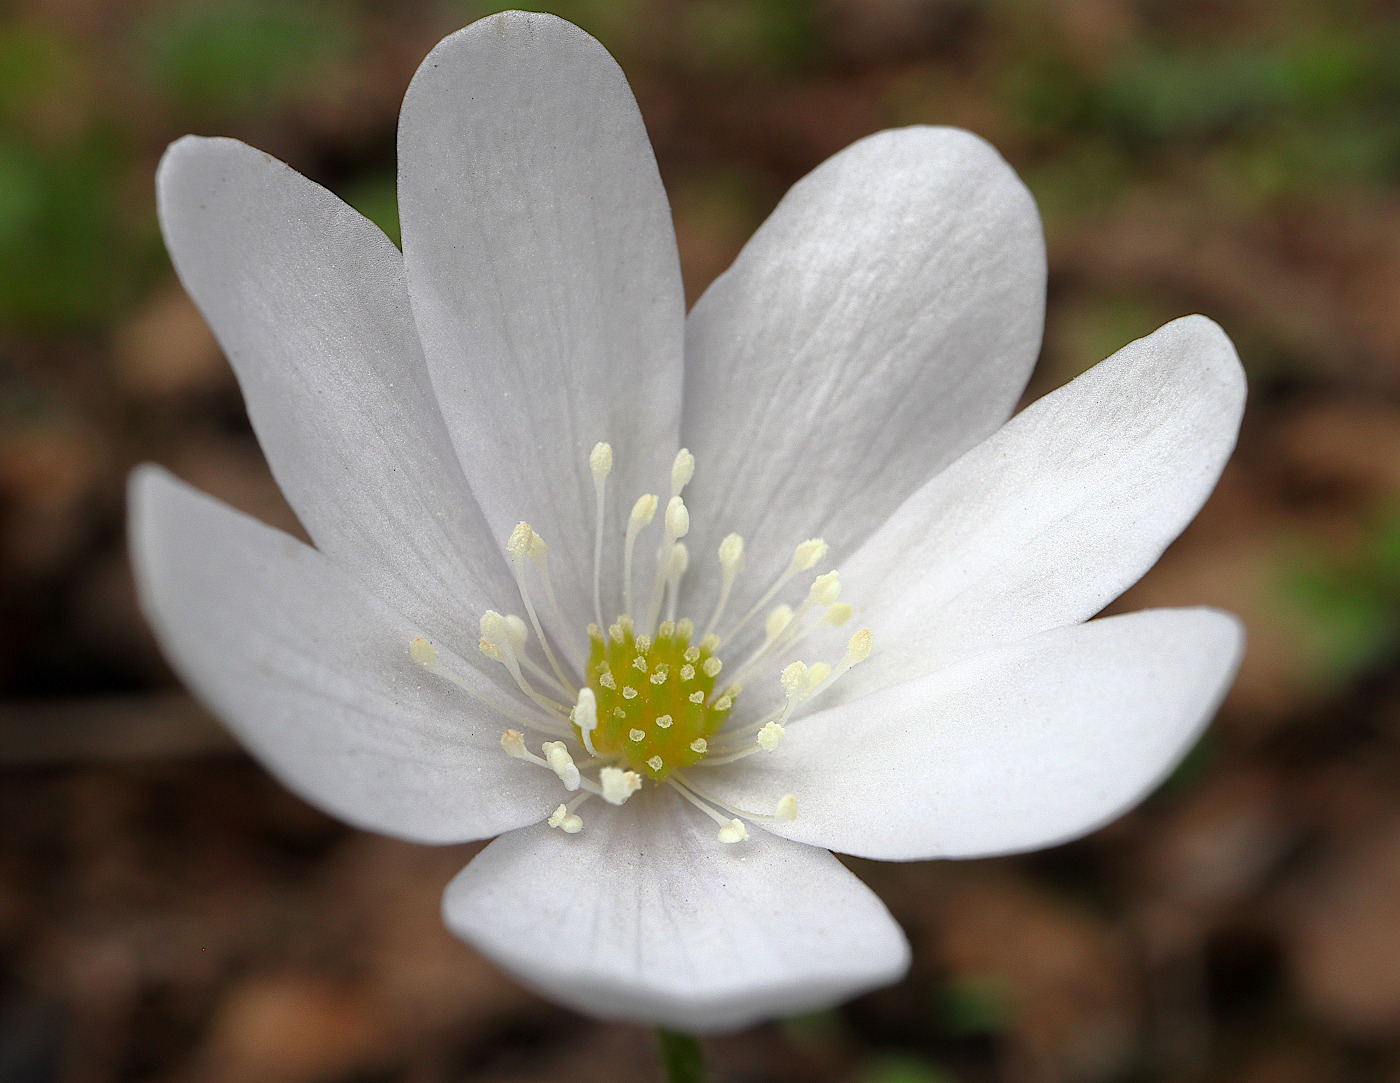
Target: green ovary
[649, 687]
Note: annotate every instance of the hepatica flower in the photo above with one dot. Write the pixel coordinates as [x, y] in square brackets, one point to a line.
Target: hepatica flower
[676, 605]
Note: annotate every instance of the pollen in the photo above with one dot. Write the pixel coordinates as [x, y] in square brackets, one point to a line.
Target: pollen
[660, 725]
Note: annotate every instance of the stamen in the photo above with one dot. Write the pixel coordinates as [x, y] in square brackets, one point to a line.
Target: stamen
[786, 808]
[521, 546]
[564, 818]
[677, 523]
[730, 831]
[561, 763]
[642, 513]
[496, 644]
[803, 558]
[556, 758]
[769, 734]
[539, 556]
[857, 651]
[618, 785]
[600, 461]
[838, 614]
[731, 562]
[519, 633]
[585, 717]
[426, 655]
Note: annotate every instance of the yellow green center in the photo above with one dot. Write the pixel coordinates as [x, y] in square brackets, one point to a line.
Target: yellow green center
[657, 701]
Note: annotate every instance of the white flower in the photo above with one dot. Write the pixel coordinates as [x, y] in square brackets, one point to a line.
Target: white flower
[843, 392]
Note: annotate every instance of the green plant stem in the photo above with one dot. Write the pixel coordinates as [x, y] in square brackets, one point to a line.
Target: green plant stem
[681, 1056]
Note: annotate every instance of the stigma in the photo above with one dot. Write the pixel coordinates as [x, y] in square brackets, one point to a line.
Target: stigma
[650, 700]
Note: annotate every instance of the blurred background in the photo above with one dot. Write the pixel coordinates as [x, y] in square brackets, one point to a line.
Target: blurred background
[169, 913]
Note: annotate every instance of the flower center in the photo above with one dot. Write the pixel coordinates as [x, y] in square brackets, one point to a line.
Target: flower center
[657, 703]
[651, 704]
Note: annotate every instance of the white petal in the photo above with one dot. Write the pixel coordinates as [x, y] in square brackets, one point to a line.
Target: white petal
[883, 320]
[309, 302]
[313, 674]
[1057, 514]
[1024, 746]
[544, 274]
[644, 915]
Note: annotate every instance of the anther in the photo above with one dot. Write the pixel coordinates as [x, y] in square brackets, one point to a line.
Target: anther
[618, 785]
[794, 679]
[556, 754]
[692, 654]
[628, 692]
[777, 622]
[518, 544]
[825, 589]
[838, 614]
[699, 745]
[659, 677]
[687, 672]
[786, 809]
[808, 554]
[656, 763]
[568, 822]
[732, 832]
[513, 742]
[643, 510]
[858, 649]
[637, 736]
[682, 470]
[712, 666]
[663, 722]
[422, 652]
[600, 460]
[697, 697]
[769, 736]
[731, 553]
[677, 518]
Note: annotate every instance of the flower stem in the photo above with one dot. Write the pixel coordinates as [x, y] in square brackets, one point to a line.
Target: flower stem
[681, 1056]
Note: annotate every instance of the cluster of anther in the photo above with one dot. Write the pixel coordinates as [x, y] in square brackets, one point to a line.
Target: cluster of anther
[652, 704]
